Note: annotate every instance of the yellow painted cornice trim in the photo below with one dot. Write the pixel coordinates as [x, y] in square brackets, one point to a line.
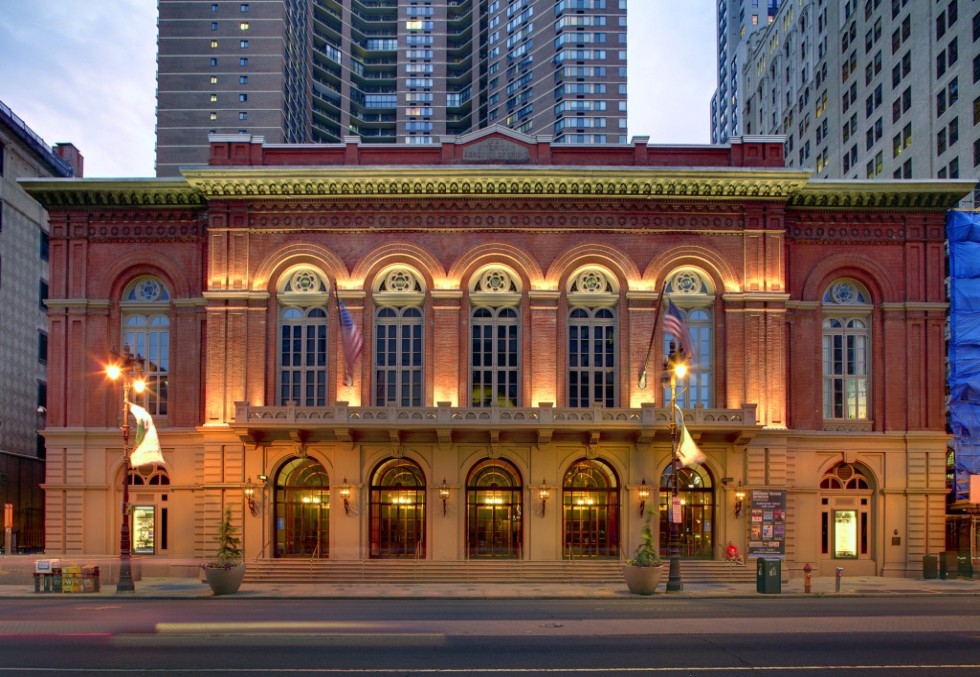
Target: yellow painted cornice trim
[927, 194]
[100, 193]
[526, 182]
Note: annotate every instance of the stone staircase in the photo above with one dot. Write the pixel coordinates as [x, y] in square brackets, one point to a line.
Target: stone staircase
[409, 571]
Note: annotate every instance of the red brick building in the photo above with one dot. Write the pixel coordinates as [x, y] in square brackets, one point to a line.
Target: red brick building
[507, 292]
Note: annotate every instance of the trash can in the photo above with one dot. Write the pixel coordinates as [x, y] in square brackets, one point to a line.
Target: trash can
[965, 566]
[768, 576]
[947, 564]
[930, 567]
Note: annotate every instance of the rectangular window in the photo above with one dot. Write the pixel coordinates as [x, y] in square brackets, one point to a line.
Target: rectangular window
[243, 61]
[45, 245]
[42, 291]
[242, 98]
[42, 347]
[243, 79]
[243, 44]
[243, 115]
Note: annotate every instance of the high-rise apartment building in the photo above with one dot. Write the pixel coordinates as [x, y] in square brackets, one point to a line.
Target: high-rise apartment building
[24, 237]
[738, 21]
[870, 89]
[387, 71]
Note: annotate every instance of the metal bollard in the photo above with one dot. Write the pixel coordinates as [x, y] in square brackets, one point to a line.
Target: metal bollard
[840, 575]
[807, 577]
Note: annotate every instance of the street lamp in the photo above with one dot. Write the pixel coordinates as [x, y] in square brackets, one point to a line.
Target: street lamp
[675, 367]
[127, 367]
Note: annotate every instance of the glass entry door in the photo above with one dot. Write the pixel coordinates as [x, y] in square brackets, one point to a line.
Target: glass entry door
[696, 493]
[302, 515]
[590, 501]
[494, 513]
[398, 510]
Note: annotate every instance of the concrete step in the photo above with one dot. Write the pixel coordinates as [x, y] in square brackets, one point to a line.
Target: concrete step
[408, 571]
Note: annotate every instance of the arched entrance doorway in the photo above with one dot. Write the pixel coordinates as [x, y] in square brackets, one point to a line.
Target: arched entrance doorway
[494, 511]
[695, 488]
[846, 497]
[148, 511]
[398, 510]
[590, 505]
[302, 509]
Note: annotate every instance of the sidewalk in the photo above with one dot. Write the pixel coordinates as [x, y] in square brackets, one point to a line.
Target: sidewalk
[189, 588]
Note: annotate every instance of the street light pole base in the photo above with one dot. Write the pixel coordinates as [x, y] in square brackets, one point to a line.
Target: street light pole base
[674, 582]
[125, 583]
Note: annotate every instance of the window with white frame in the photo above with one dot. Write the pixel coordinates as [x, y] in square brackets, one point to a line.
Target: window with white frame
[302, 296]
[495, 339]
[693, 294]
[398, 339]
[145, 310]
[846, 350]
[592, 341]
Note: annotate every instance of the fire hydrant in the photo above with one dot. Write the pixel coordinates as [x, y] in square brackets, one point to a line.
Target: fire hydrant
[807, 577]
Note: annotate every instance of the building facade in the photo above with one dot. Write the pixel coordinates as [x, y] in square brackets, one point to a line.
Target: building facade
[391, 71]
[878, 89]
[24, 279]
[509, 402]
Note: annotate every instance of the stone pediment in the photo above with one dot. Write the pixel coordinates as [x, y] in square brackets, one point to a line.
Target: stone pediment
[496, 150]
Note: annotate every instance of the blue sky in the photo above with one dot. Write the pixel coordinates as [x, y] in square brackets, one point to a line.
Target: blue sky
[84, 71]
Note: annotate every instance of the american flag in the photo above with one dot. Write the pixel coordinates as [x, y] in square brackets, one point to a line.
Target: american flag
[352, 339]
[676, 326]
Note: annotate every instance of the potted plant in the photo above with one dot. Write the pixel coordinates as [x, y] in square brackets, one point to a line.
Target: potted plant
[225, 572]
[643, 571]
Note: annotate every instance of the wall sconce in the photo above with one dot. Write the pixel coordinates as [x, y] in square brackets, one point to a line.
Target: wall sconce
[263, 478]
[249, 492]
[345, 494]
[444, 495]
[544, 493]
[739, 497]
[644, 494]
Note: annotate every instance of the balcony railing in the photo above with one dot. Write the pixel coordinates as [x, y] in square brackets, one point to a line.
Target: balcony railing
[367, 423]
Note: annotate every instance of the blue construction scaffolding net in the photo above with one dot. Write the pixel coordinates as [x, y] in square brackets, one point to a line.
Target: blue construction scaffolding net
[963, 234]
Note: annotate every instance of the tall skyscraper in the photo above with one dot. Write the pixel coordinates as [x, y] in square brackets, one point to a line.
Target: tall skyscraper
[870, 89]
[388, 71]
[738, 21]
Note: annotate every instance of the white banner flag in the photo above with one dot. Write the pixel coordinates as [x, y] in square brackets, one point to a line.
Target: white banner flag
[146, 446]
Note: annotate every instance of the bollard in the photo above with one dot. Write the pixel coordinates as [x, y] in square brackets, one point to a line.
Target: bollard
[840, 575]
[807, 576]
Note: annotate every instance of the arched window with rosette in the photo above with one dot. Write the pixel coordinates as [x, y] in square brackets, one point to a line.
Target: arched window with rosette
[495, 339]
[846, 351]
[302, 355]
[592, 342]
[145, 310]
[398, 339]
[693, 294]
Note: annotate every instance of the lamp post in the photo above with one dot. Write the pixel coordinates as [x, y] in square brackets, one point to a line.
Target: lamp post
[675, 367]
[127, 367]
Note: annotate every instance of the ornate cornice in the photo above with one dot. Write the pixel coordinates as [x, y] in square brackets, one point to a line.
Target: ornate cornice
[929, 195]
[524, 182]
[101, 193]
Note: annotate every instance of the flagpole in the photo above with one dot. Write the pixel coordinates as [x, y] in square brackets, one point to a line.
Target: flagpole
[642, 382]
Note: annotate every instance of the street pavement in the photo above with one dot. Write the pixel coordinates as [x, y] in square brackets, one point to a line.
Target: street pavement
[190, 588]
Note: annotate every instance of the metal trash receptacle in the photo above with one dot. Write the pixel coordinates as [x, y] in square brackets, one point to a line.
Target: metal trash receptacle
[768, 576]
[930, 567]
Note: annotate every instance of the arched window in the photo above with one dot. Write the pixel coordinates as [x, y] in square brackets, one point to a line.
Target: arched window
[302, 355]
[495, 339]
[590, 504]
[302, 517]
[397, 520]
[494, 511]
[399, 340]
[146, 330]
[846, 494]
[592, 343]
[691, 291]
[695, 489]
[846, 350]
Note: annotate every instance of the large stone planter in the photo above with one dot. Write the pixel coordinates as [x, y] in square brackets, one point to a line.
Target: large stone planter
[225, 581]
[642, 580]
